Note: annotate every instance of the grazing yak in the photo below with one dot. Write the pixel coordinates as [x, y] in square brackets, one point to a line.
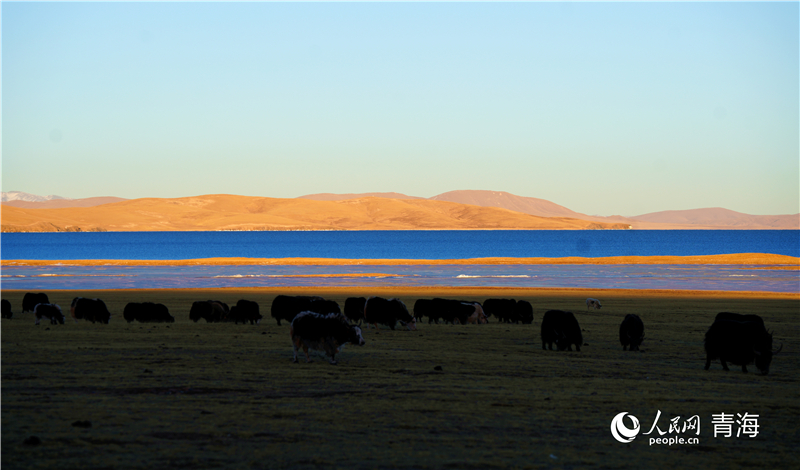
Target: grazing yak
[561, 328]
[50, 312]
[450, 311]
[631, 332]
[326, 332]
[740, 340]
[422, 309]
[30, 300]
[465, 312]
[93, 310]
[286, 307]
[147, 312]
[244, 311]
[354, 308]
[503, 309]
[509, 310]
[523, 312]
[438, 309]
[388, 312]
[6, 309]
[593, 303]
[213, 311]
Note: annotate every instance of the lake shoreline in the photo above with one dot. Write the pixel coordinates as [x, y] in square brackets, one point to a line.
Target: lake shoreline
[427, 292]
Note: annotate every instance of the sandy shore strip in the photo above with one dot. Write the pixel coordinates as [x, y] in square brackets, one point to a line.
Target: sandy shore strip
[418, 292]
[759, 259]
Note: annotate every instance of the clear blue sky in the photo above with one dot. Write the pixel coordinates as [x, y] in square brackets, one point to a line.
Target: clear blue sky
[610, 108]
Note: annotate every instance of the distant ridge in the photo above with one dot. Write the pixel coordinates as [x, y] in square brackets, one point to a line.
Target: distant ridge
[712, 218]
[20, 196]
[504, 200]
[63, 203]
[720, 217]
[343, 197]
[483, 198]
[228, 212]
[365, 211]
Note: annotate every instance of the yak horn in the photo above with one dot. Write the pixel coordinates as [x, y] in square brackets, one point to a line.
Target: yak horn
[779, 349]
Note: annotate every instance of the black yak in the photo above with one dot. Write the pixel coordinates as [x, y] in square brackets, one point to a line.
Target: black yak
[561, 328]
[631, 332]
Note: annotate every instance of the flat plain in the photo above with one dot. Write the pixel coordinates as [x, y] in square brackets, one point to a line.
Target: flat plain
[198, 395]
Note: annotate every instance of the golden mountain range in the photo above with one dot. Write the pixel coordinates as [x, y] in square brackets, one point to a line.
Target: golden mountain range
[227, 212]
[456, 210]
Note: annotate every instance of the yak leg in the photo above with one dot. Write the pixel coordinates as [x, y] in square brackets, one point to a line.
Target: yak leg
[305, 350]
[724, 364]
[744, 368]
[331, 350]
[295, 345]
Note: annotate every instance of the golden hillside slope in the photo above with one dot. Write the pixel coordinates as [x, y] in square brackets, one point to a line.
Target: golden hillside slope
[227, 212]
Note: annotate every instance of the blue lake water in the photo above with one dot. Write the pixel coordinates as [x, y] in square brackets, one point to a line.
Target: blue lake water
[399, 245]
[440, 244]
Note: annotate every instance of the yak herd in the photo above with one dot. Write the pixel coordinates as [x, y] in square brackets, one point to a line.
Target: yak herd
[317, 323]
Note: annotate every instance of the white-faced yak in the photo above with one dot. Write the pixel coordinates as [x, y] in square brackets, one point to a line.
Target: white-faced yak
[323, 332]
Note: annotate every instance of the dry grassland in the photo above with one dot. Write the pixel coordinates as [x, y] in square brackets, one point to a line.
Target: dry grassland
[196, 395]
